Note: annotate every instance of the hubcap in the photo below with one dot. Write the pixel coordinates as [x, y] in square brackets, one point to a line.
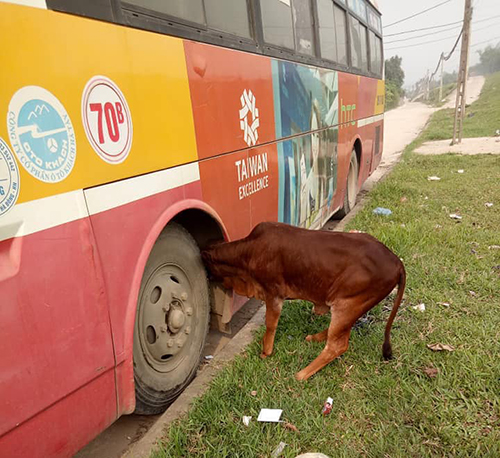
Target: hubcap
[166, 317]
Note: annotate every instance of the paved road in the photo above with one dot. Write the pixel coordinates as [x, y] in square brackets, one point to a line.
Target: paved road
[472, 91]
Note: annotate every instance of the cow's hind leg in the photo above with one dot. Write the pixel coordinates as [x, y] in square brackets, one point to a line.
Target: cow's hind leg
[319, 337]
[344, 315]
[273, 312]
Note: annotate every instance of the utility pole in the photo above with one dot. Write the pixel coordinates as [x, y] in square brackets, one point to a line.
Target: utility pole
[441, 82]
[462, 76]
[427, 85]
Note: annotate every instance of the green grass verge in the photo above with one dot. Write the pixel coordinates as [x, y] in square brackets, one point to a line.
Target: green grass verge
[384, 409]
[482, 117]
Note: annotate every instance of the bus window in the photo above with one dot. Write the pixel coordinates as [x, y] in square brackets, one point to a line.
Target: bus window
[341, 33]
[189, 11]
[327, 30]
[229, 16]
[277, 23]
[375, 53]
[332, 32]
[359, 54]
[303, 26]
[358, 7]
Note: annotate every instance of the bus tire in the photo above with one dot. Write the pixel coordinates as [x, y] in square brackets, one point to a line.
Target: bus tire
[351, 189]
[171, 320]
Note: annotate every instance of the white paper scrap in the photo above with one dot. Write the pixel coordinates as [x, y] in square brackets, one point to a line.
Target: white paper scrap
[246, 420]
[278, 450]
[270, 415]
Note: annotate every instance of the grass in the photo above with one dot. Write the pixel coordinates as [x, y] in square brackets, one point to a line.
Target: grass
[384, 409]
[482, 117]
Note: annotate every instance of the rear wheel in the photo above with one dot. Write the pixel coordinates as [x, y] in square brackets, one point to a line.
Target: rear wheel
[171, 321]
[351, 191]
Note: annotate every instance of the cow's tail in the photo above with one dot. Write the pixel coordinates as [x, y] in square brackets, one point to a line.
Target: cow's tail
[386, 348]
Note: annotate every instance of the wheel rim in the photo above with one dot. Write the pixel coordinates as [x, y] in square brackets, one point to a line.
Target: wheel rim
[166, 318]
[352, 184]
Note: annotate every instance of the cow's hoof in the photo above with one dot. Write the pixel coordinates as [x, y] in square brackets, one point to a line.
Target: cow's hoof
[309, 338]
[263, 355]
[301, 376]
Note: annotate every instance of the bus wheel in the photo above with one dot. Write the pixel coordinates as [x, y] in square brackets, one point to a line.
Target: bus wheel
[351, 191]
[171, 322]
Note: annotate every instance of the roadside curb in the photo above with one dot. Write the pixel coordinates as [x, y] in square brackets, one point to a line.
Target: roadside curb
[144, 447]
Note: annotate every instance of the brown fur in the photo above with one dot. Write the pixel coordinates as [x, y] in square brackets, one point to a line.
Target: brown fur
[344, 273]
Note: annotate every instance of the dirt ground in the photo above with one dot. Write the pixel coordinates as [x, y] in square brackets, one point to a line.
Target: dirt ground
[479, 145]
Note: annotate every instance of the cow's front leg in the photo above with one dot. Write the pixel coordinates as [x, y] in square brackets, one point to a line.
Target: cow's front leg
[273, 312]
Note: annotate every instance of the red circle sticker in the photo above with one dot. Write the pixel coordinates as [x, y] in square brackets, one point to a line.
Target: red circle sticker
[106, 119]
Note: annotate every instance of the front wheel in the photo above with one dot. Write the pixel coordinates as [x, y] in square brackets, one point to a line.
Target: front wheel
[171, 321]
[351, 191]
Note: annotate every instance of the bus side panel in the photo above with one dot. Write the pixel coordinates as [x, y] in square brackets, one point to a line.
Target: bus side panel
[125, 233]
[67, 426]
[348, 88]
[55, 333]
[306, 101]
[229, 88]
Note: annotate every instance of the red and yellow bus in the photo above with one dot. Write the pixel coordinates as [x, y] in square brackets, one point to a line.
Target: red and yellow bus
[135, 133]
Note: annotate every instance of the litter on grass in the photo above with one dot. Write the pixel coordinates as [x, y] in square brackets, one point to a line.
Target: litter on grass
[382, 211]
[291, 427]
[270, 415]
[419, 307]
[278, 450]
[441, 347]
[312, 455]
[444, 304]
[253, 393]
[431, 372]
[209, 357]
[327, 408]
[488, 204]
[433, 178]
[455, 216]
[246, 420]
[494, 247]
[460, 171]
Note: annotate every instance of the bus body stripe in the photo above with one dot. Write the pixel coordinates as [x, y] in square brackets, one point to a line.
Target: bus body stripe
[37, 215]
[106, 197]
[34, 3]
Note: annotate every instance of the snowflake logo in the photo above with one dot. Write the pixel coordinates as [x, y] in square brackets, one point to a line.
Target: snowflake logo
[248, 109]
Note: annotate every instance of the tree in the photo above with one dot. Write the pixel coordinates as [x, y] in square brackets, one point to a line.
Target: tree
[394, 79]
[489, 60]
[393, 71]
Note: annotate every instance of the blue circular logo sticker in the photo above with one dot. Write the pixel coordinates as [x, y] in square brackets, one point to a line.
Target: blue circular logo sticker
[9, 178]
[41, 134]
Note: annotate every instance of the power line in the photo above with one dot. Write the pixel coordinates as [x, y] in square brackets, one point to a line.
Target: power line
[417, 14]
[423, 28]
[424, 35]
[420, 44]
[486, 41]
[441, 31]
[436, 41]
[449, 54]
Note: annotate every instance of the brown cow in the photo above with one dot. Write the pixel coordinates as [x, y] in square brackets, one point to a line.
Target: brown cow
[346, 273]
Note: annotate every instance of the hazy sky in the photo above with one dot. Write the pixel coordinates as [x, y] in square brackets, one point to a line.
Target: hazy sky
[417, 59]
